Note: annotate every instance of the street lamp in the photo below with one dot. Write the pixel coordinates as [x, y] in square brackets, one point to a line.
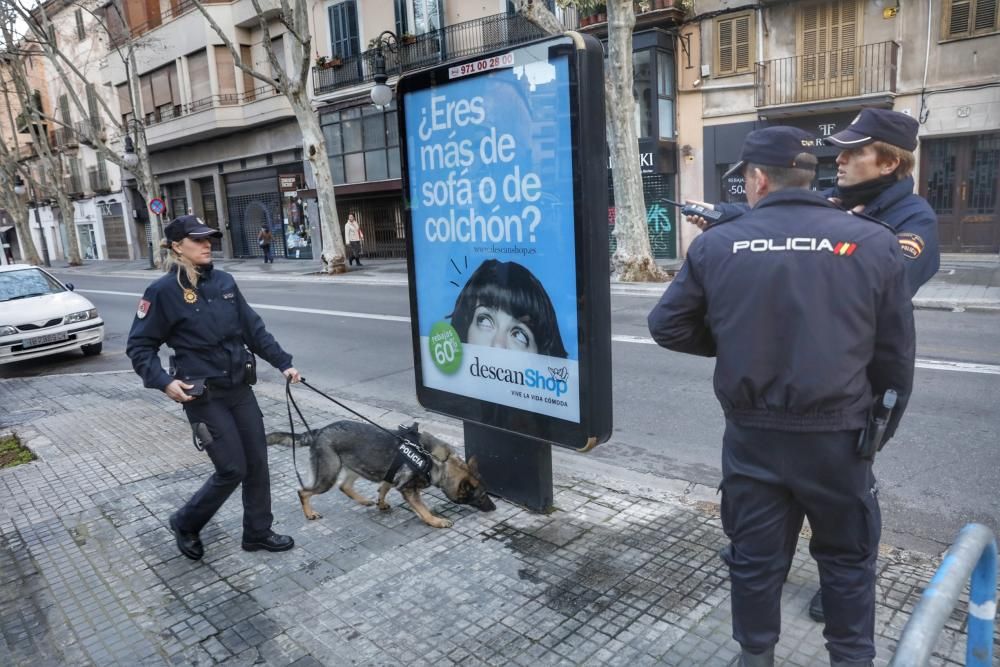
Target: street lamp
[129, 156]
[19, 190]
[381, 93]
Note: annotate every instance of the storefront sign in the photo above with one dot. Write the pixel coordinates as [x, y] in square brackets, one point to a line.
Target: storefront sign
[288, 182]
[505, 237]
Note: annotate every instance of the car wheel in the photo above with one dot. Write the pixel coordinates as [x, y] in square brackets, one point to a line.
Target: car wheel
[91, 350]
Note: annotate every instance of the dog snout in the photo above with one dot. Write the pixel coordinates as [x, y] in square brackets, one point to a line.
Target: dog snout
[484, 503]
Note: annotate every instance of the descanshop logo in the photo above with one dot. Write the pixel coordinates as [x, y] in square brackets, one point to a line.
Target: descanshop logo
[798, 244]
[530, 377]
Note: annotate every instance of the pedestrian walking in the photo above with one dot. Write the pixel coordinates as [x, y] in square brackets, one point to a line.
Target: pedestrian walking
[807, 309]
[199, 312]
[354, 237]
[264, 240]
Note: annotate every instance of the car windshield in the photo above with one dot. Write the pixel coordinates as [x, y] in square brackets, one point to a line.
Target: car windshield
[27, 283]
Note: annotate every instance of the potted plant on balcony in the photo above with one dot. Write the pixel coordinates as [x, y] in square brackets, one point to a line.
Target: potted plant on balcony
[408, 38]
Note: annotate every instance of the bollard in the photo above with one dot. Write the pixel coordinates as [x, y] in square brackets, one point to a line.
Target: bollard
[973, 553]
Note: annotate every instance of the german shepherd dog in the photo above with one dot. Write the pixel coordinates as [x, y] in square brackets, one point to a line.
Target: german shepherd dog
[363, 450]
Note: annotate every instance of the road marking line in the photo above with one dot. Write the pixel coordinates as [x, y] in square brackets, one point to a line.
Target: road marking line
[291, 309]
[928, 364]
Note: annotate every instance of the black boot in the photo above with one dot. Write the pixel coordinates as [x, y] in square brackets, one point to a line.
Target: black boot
[816, 607]
[270, 542]
[747, 659]
[189, 544]
[841, 663]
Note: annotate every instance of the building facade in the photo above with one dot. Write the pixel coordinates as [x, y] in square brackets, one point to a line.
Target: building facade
[816, 64]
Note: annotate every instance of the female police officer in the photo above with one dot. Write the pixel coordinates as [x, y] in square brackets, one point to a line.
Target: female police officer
[199, 312]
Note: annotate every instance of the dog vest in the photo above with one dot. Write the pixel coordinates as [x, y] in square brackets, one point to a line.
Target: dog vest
[413, 456]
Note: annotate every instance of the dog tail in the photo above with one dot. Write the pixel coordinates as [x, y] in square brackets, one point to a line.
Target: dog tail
[283, 438]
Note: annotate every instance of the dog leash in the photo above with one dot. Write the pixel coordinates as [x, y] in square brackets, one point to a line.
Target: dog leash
[403, 442]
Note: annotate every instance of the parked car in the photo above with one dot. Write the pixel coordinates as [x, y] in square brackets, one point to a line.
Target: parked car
[40, 316]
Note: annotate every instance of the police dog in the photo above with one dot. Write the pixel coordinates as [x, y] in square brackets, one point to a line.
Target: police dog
[364, 450]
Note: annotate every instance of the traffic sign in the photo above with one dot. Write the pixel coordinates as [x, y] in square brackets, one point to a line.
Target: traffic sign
[157, 206]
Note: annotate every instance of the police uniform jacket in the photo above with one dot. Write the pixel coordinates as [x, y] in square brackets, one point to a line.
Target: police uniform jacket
[209, 333]
[909, 216]
[806, 309]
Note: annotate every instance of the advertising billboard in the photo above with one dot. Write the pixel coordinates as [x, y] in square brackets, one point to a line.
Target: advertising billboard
[501, 242]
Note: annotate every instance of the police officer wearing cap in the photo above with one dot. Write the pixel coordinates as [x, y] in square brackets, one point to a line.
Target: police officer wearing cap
[874, 177]
[199, 312]
[807, 311]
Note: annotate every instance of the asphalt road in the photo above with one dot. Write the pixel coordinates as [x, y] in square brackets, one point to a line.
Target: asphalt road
[941, 471]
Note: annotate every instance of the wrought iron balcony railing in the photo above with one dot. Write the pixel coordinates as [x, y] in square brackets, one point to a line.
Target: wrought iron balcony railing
[167, 113]
[828, 75]
[157, 15]
[460, 40]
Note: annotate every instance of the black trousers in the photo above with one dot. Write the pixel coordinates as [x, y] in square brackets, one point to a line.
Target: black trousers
[770, 478]
[355, 252]
[239, 452]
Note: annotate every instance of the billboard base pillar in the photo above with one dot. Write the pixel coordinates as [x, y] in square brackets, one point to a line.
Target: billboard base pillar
[514, 467]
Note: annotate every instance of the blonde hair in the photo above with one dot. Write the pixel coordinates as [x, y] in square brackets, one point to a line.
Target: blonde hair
[173, 258]
[886, 153]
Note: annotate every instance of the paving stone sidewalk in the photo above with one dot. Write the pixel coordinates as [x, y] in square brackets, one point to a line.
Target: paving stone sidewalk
[616, 575]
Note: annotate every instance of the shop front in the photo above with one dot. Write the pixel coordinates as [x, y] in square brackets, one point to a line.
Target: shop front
[269, 199]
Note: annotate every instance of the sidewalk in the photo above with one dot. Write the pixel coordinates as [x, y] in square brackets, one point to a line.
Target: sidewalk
[624, 572]
[965, 282]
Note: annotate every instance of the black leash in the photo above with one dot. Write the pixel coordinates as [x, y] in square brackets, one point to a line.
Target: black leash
[406, 446]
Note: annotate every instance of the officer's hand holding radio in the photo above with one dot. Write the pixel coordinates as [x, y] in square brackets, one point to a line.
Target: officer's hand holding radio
[700, 222]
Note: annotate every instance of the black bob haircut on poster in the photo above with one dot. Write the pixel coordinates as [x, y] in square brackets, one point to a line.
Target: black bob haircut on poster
[510, 287]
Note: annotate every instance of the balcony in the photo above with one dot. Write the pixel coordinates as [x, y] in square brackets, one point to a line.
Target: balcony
[64, 137]
[862, 71]
[98, 178]
[87, 132]
[460, 40]
[214, 115]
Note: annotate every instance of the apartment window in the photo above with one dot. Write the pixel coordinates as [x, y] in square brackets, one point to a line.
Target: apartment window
[201, 86]
[402, 18]
[344, 40]
[642, 90]
[81, 32]
[278, 48]
[160, 94]
[969, 18]
[665, 93]
[125, 104]
[249, 83]
[734, 44]
[828, 35]
[92, 107]
[362, 144]
[225, 69]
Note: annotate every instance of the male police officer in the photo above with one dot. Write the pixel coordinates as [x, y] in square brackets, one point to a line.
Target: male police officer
[807, 310]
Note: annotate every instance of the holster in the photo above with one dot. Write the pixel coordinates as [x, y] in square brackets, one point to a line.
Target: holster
[250, 368]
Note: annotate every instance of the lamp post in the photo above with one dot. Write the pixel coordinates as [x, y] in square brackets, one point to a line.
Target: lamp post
[381, 93]
[19, 190]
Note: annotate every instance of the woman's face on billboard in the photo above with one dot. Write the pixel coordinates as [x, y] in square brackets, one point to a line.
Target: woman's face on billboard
[498, 328]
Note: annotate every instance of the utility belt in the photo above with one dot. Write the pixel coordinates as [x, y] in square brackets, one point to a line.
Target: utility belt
[249, 371]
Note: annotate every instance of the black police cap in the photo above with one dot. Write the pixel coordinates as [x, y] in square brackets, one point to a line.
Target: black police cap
[189, 226]
[891, 127]
[778, 146]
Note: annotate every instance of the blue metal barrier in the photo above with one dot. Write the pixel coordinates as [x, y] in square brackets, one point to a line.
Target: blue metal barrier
[973, 556]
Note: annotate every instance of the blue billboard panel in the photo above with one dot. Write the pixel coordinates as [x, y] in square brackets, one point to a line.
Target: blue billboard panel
[491, 190]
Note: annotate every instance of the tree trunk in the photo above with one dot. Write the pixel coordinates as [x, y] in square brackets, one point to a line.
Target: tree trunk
[314, 148]
[22, 224]
[633, 260]
[67, 215]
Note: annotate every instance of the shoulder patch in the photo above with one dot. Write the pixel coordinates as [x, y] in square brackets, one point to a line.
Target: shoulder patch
[911, 244]
[143, 308]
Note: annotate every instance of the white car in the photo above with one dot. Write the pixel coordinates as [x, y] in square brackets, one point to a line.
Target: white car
[40, 316]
